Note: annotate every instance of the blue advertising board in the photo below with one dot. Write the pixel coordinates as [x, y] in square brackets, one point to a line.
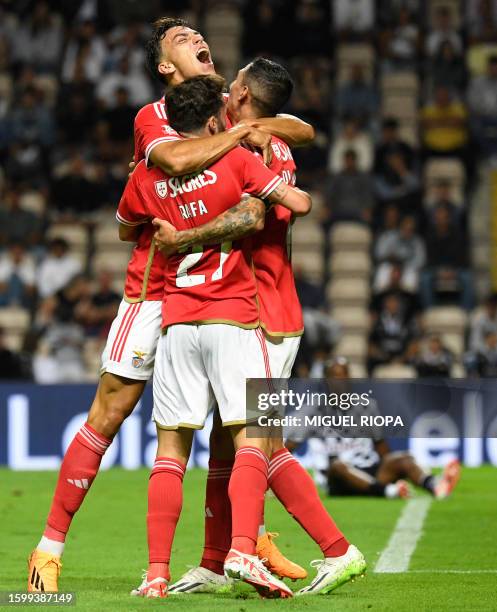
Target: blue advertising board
[38, 422]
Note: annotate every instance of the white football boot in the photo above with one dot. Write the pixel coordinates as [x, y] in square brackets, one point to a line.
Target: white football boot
[252, 570]
[151, 590]
[201, 580]
[332, 572]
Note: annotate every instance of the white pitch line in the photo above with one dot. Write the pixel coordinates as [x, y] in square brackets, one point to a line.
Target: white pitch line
[452, 571]
[396, 556]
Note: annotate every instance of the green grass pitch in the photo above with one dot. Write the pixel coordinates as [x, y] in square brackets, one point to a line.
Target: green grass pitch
[106, 549]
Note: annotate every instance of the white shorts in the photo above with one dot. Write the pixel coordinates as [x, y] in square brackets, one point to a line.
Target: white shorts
[132, 341]
[198, 365]
[282, 354]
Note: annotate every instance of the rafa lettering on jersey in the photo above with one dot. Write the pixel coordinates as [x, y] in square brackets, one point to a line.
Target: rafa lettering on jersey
[192, 209]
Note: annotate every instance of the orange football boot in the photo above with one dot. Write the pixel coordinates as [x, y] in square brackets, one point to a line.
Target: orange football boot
[275, 562]
[44, 570]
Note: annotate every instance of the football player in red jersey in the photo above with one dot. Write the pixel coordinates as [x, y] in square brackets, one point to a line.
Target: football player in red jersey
[213, 341]
[175, 51]
[263, 87]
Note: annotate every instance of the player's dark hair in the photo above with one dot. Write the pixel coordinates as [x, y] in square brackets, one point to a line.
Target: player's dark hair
[153, 46]
[270, 86]
[191, 103]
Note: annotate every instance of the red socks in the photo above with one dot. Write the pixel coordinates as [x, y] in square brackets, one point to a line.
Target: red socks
[296, 490]
[165, 499]
[77, 472]
[248, 484]
[217, 516]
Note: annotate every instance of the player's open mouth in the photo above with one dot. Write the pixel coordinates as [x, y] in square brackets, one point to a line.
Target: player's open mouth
[204, 56]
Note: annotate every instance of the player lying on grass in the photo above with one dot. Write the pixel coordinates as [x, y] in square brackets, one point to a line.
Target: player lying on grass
[175, 52]
[212, 341]
[263, 87]
[365, 466]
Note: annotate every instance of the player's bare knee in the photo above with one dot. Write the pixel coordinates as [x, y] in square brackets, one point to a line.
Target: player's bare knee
[403, 460]
[338, 468]
[117, 409]
[113, 403]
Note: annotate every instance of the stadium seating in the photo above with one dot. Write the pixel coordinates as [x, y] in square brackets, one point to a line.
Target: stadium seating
[351, 264]
[307, 234]
[348, 55]
[449, 169]
[453, 6]
[317, 206]
[92, 351]
[352, 319]
[111, 260]
[15, 323]
[352, 346]
[454, 342]
[350, 236]
[400, 84]
[449, 319]
[394, 370]
[348, 292]
[5, 87]
[400, 92]
[33, 201]
[310, 263]
[14, 318]
[403, 108]
[357, 370]
[106, 238]
[75, 235]
[346, 267]
[223, 29]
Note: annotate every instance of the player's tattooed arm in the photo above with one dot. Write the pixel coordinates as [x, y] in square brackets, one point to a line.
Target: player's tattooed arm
[293, 198]
[294, 131]
[239, 221]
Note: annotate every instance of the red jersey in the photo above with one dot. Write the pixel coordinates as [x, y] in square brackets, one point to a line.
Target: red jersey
[152, 128]
[145, 274]
[280, 310]
[214, 284]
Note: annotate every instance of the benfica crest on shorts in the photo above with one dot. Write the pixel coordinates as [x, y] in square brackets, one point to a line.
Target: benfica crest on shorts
[138, 359]
[161, 188]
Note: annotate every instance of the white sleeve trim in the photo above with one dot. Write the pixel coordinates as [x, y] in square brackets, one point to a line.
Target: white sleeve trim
[157, 141]
[130, 223]
[270, 187]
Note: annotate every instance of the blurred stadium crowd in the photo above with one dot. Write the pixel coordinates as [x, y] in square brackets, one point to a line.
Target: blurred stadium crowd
[394, 264]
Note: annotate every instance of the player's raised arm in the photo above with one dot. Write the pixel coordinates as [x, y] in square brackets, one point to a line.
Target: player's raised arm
[293, 198]
[294, 131]
[239, 221]
[186, 156]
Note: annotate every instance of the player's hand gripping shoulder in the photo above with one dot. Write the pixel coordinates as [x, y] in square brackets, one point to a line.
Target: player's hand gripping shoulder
[191, 155]
[293, 198]
[258, 139]
[294, 131]
[239, 221]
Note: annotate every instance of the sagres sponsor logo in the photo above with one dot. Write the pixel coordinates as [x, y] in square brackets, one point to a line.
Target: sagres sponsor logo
[161, 188]
[138, 359]
[186, 184]
[81, 484]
